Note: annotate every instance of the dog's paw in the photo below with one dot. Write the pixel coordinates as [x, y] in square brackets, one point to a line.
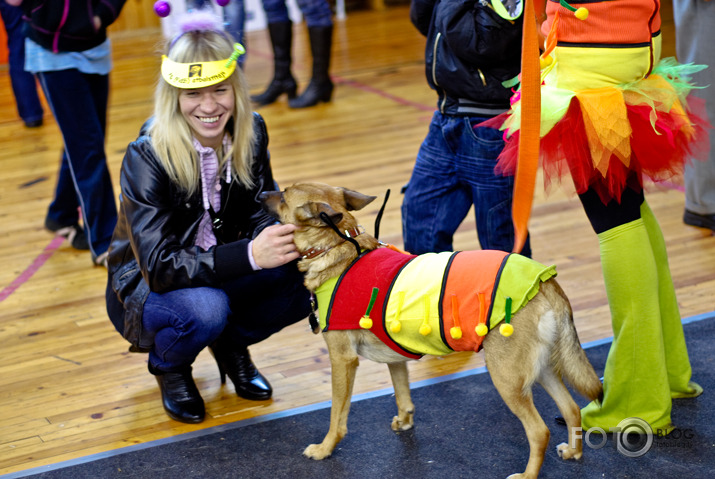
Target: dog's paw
[317, 452]
[402, 424]
[565, 452]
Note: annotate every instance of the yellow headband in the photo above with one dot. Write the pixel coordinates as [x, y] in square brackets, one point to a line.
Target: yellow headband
[199, 74]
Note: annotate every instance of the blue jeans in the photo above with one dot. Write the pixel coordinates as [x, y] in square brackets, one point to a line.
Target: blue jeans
[23, 83]
[244, 311]
[317, 13]
[455, 170]
[79, 103]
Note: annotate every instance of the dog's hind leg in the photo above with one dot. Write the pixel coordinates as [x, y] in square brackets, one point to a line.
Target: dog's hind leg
[343, 362]
[521, 404]
[405, 408]
[569, 410]
[514, 385]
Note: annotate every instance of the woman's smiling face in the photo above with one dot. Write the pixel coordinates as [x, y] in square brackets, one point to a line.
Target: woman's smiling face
[207, 110]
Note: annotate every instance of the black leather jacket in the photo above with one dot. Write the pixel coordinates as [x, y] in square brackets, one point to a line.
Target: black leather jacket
[153, 247]
[471, 50]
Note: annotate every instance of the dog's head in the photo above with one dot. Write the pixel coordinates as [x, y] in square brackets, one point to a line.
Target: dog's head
[303, 203]
[312, 207]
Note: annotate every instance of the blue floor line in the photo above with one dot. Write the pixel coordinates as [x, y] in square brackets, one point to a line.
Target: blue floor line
[282, 414]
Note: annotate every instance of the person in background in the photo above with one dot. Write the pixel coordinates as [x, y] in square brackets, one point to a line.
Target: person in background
[195, 262]
[473, 53]
[234, 20]
[24, 86]
[68, 49]
[695, 36]
[614, 114]
[319, 19]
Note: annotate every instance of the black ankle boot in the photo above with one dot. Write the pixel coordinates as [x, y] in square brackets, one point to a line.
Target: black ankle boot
[249, 383]
[316, 92]
[275, 89]
[281, 34]
[320, 88]
[179, 395]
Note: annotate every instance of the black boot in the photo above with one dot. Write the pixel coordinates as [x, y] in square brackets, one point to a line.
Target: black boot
[179, 395]
[249, 383]
[320, 87]
[281, 34]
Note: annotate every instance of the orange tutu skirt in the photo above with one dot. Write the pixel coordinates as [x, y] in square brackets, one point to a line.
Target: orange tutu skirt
[609, 137]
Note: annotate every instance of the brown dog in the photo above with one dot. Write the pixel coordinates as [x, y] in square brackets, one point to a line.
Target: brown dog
[543, 348]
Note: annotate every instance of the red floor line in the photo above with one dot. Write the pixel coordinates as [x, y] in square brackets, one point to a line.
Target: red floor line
[33, 268]
[384, 94]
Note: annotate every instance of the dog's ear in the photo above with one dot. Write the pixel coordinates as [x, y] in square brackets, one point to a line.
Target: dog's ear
[309, 213]
[355, 200]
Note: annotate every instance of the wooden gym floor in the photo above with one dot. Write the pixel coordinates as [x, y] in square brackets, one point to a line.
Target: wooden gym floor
[68, 386]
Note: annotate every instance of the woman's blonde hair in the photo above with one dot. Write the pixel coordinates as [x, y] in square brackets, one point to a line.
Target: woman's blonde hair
[171, 135]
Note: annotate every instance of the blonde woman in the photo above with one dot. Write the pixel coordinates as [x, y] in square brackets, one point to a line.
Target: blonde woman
[194, 260]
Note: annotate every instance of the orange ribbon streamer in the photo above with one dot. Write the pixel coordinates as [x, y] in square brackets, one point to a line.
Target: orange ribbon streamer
[529, 136]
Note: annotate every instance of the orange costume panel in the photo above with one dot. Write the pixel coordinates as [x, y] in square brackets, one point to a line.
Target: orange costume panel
[609, 22]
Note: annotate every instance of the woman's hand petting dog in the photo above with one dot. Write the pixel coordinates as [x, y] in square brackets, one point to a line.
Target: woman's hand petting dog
[274, 246]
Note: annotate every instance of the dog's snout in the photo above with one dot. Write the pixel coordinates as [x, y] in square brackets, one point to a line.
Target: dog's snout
[269, 200]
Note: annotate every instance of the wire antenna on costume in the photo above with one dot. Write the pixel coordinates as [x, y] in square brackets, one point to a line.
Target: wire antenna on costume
[378, 219]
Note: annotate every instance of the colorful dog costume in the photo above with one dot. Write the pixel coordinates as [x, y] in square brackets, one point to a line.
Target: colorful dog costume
[434, 303]
[613, 113]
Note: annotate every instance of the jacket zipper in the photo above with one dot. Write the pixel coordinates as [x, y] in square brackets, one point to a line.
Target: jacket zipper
[56, 39]
[434, 69]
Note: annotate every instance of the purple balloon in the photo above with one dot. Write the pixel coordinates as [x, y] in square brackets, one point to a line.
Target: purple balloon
[162, 8]
[222, 3]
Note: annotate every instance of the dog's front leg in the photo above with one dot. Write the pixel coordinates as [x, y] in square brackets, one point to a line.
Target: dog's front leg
[405, 408]
[343, 362]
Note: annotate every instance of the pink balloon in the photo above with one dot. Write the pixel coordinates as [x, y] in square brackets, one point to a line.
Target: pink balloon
[162, 8]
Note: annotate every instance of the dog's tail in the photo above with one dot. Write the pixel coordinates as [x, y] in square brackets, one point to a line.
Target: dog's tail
[569, 357]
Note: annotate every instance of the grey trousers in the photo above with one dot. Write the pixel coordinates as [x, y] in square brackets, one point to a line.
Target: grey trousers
[695, 43]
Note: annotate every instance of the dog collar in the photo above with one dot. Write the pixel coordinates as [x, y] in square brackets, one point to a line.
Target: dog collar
[317, 251]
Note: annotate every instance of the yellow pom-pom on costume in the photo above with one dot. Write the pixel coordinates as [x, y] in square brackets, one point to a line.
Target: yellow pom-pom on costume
[506, 330]
[546, 61]
[425, 329]
[581, 13]
[395, 326]
[365, 322]
[456, 330]
[481, 330]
